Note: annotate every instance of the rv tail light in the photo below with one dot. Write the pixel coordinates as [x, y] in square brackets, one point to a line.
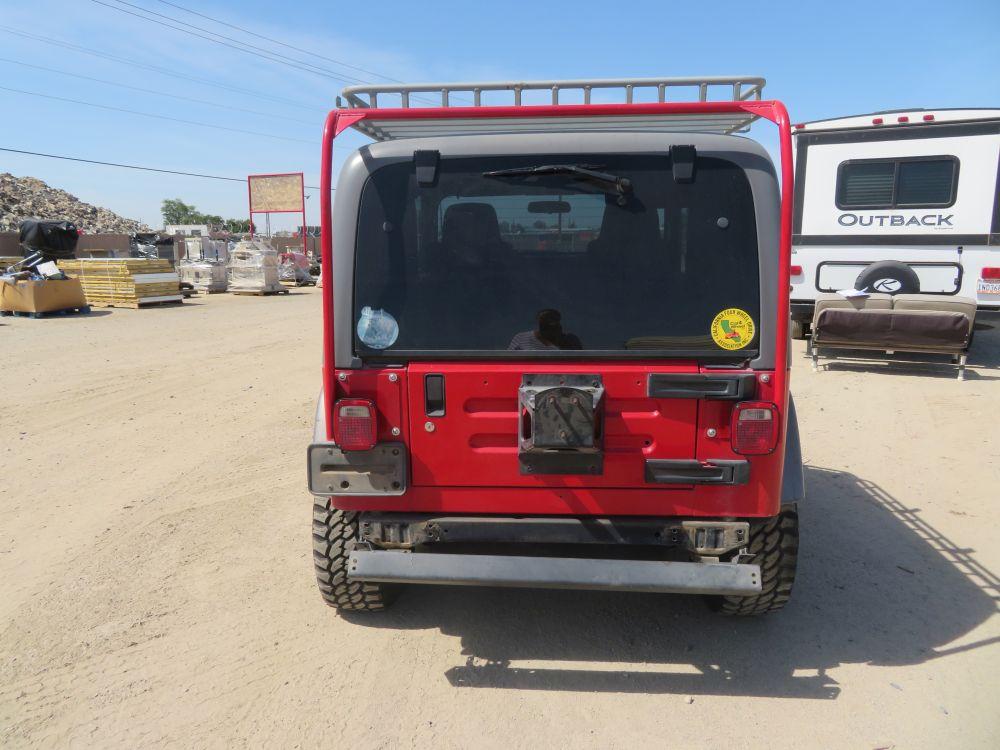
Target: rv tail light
[928, 118]
[755, 428]
[354, 424]
[990, 272]
[877, 121]
[904, 118]
[800, 126]
[795, 270]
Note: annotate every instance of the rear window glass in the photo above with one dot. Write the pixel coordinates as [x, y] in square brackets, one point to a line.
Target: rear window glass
[559, 260]
[897, 183]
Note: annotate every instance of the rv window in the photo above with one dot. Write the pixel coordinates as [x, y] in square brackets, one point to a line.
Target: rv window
[866, 184]
[897, 183]
[925, 183]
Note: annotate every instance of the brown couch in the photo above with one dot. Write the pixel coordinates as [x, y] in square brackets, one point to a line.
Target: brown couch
[930, 323]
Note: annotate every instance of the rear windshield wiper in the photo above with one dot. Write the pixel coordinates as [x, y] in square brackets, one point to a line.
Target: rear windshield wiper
[620, 185]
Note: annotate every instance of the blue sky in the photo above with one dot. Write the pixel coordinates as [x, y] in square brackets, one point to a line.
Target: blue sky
[821, 59]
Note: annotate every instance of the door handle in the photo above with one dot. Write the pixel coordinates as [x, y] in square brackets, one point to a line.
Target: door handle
[434, 395]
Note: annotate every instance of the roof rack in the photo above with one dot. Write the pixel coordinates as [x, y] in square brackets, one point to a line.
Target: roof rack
[567, 93]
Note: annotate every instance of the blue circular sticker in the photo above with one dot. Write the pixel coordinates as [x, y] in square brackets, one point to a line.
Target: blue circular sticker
[377, 328]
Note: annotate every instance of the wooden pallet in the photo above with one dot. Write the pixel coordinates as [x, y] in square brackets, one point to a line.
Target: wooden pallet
[136, 304]
[84, 310]
[258, 292]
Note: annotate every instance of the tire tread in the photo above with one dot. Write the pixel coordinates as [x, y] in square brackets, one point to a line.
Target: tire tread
[334, 533]
[775, 547]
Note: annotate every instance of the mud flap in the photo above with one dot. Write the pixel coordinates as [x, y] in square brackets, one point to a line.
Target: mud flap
[793, 486]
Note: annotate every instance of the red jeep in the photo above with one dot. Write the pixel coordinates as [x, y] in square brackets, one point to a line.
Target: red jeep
[556, 345]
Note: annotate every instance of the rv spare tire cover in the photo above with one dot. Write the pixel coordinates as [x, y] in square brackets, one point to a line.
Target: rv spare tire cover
[888, 277]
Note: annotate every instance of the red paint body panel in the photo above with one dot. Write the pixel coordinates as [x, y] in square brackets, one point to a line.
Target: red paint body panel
[453, 471]
[475, 443]
[389, 397]
[469, 465]
[758, 499]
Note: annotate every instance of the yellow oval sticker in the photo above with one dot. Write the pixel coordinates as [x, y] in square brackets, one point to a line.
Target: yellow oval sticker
[732, 328]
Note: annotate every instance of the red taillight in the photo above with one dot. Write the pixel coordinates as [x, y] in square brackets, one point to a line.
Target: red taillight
[795, 270]
[990, 273]
[903, 118]
[355, 427]
[877, 121]
[755, 428]
[928, 118]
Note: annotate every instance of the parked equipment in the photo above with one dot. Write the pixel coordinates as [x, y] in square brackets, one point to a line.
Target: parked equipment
[903, 202]
[600, 402]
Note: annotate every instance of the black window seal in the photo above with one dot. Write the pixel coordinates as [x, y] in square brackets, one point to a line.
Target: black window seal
[914, 264]
[897, 160]
[408, 355]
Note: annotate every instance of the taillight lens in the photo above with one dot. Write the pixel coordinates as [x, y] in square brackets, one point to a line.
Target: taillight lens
[755, 428]
[990, 273]
[795, 270]
[355, 426]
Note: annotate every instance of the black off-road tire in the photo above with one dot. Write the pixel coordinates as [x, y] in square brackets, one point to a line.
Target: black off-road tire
[775, 547]
[334, 535]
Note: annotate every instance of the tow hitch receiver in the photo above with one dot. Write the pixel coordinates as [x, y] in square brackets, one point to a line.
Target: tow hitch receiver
[560, 430]
[728, 579]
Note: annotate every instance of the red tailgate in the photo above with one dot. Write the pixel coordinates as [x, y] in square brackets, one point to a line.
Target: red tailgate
[474, 443]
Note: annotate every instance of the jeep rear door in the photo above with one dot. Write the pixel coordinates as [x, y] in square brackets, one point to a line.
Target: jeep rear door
[491, 269]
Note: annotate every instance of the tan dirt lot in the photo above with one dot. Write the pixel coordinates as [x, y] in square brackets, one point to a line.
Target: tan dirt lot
[157, 585]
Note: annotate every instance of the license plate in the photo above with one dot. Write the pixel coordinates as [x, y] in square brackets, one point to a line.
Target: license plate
[988, 287]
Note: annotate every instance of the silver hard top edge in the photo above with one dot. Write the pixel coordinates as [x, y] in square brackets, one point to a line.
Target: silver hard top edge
[530, 143]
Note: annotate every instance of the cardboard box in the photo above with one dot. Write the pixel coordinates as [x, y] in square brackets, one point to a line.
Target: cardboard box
[41, 296]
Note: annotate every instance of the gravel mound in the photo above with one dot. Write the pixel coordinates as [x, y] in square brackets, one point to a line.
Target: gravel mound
[30, 198]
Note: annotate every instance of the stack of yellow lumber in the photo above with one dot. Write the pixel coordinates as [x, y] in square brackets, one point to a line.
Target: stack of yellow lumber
[124, 282]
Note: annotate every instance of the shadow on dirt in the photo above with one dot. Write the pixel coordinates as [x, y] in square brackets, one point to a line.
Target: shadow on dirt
[876, 585]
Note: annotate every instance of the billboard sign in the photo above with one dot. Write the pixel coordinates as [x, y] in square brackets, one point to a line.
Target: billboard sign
[276, 194]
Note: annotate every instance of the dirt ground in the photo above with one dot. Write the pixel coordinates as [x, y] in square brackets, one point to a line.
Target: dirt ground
[157, 585]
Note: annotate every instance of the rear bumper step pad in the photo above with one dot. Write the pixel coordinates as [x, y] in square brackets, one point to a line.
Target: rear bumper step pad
[555, 573]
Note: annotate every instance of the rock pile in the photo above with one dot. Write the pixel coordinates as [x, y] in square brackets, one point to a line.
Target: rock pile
[30, 198]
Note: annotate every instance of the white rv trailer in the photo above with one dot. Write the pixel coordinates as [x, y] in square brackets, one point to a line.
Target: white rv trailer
[917, 187]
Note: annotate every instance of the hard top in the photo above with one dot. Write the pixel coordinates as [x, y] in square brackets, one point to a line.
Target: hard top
[494, 96]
